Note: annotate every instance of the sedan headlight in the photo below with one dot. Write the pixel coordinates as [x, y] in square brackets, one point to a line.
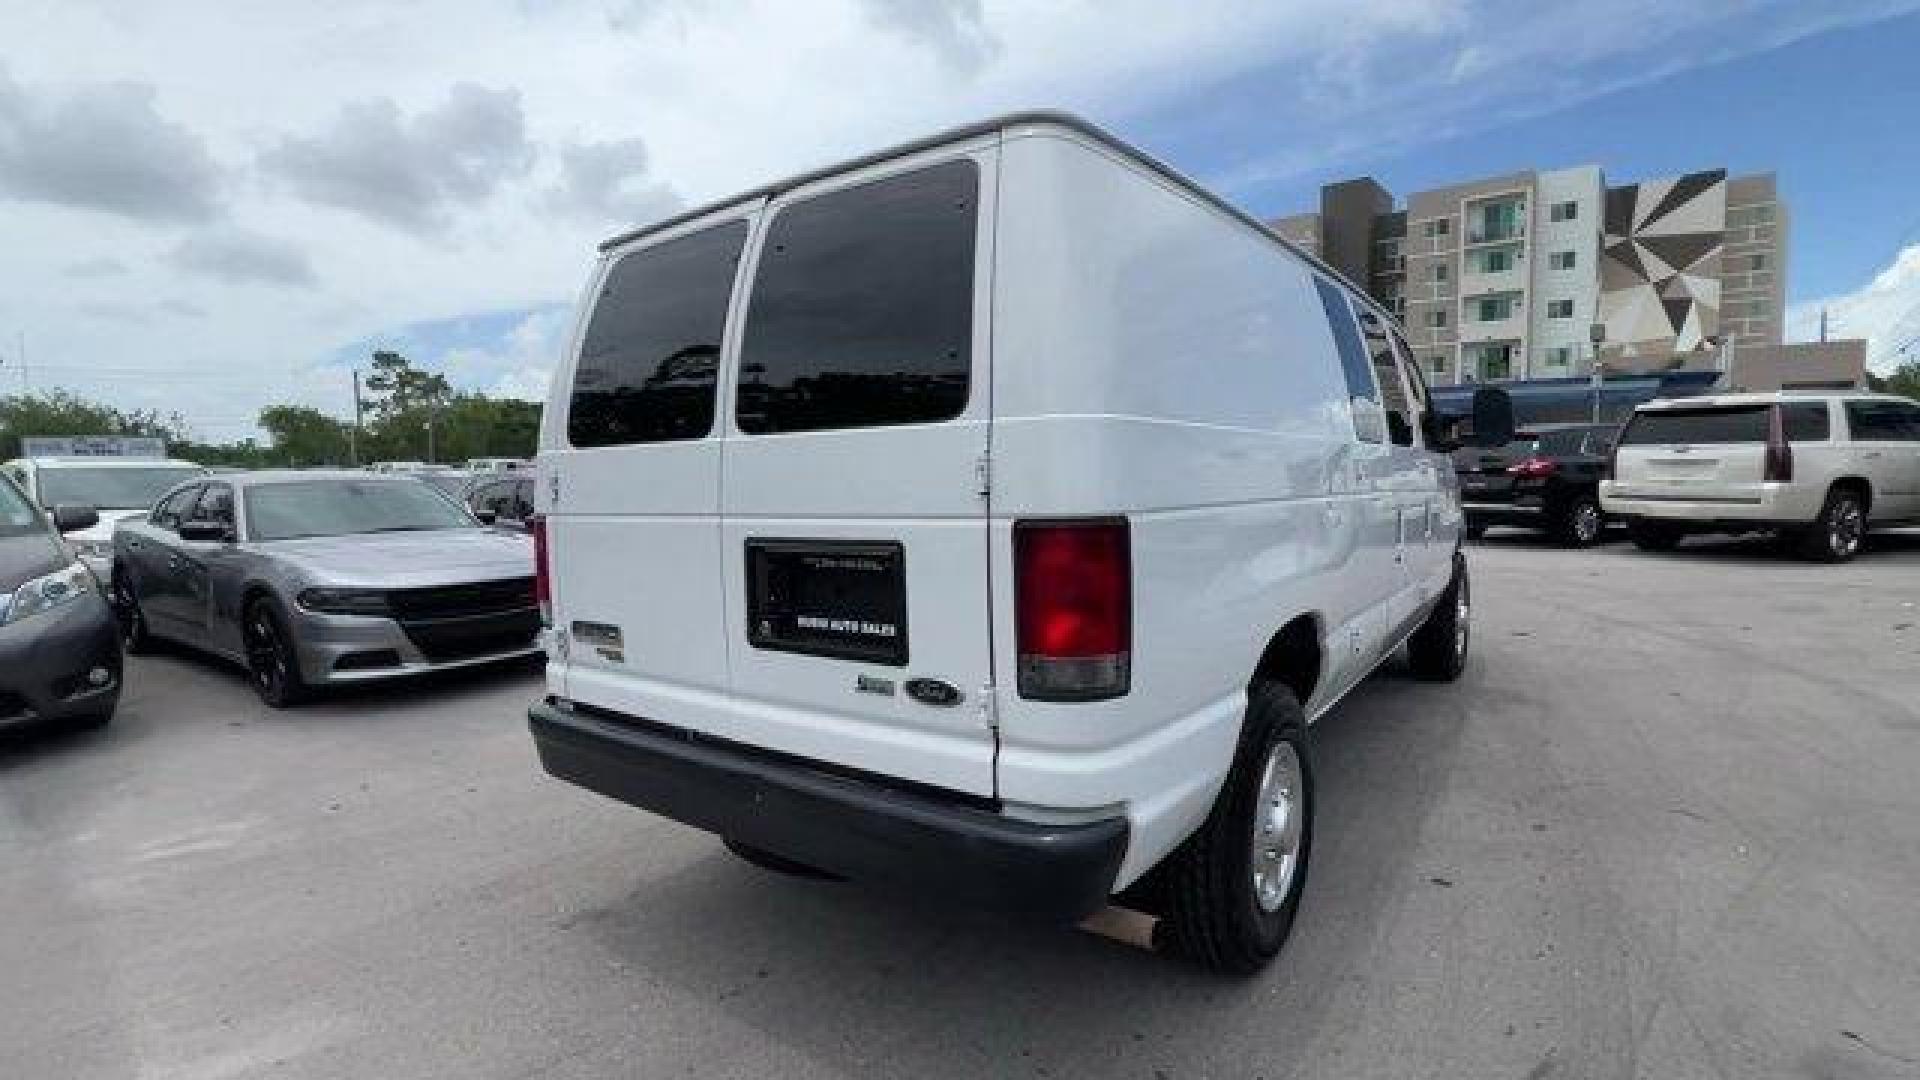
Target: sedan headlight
[58, 589]
[345, 601]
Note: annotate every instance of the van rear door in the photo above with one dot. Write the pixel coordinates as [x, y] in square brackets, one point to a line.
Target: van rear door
[854, 525]
[630, 477]
[1701, 453]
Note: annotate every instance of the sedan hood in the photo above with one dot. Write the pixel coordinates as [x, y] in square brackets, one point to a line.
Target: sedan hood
[405, 560]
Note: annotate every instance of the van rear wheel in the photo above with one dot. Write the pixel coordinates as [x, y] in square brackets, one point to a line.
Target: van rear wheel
[1438, 650]
[1837, 533]
[1232, 889]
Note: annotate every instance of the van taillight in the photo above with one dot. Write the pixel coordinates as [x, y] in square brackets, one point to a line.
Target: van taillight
[1534, 467]
[1073, 602]
[1779, 451]
[542, 577]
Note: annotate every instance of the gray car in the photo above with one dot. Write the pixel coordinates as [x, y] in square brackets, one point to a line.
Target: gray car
[316, 578]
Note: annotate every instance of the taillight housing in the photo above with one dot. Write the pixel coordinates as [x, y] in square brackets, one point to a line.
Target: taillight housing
[1779, 451]
[542, 576]
[1534, 467]
[1073, 604]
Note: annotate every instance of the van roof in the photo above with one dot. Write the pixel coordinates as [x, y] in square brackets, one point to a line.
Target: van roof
[1032, 117]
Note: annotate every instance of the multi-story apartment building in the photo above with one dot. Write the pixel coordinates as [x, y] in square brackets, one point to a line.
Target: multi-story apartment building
[1512, 276]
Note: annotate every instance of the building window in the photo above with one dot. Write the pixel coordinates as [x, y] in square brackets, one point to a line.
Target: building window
[1494, 308]
[1493, 260]
[1559, 309]
[1558, 356]
[1494, 221]
[1491, 362]
[1439, 271]
[1436, 227]
[1437, 317]
[1757, 262]
[1560, 260]
[1437, 364]
[1563, 211]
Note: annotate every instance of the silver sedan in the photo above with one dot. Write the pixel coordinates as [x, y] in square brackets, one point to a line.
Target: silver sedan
[313, 578]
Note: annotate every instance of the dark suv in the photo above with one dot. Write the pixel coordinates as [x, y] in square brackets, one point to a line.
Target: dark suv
[1547, 478]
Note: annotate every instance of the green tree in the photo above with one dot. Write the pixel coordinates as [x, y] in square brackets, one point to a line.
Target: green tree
[399, 387]
[1904, 381]
[57, 413]
[304, 436]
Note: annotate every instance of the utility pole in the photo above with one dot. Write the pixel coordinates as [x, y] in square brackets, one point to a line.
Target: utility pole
[1596, 378]
[432, 413]
[1823, 324]
[353, 433]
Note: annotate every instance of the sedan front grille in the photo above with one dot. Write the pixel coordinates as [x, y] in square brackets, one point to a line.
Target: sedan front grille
[459, 622]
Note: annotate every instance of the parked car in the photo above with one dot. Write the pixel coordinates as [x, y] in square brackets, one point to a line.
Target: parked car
[115, 487]
[1820, 469]
[316, 578]
[496, 464]
[59, 655]
[502, 499]
[1547, 478]
[1008, 544]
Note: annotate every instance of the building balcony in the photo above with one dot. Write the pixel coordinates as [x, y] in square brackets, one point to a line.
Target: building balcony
[1512, 279]
[1511, 328]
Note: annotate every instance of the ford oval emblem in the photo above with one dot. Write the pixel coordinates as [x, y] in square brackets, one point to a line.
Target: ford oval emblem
[933, 692]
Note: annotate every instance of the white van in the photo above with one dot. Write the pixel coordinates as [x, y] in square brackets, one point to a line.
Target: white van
[989, 517]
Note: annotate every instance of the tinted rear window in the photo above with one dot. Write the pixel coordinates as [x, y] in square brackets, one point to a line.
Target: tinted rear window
[1728, 424]
[1807, 421]
[646, 371]
[862, 307]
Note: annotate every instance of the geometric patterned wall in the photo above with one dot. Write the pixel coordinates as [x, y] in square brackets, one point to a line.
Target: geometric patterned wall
[1660, 264]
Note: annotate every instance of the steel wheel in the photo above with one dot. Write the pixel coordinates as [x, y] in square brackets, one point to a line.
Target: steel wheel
[1277, 827]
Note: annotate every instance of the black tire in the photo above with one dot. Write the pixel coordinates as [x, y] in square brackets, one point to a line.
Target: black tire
[1581, 522]
[1654, 535]
[1214, 911]
[91, 721]
[1840, 529]
[767, 860]
[1438, 650]
[272, 666]
[135, 638]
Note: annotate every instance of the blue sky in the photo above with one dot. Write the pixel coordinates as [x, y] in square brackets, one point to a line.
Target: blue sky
[192, 234]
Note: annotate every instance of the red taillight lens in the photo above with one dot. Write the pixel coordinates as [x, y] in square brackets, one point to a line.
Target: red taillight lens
[542, 577]
[1779, 451]
[1073, 600]
[1534, 467]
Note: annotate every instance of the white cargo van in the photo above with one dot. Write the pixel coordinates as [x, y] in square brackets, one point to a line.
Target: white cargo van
[989, 517]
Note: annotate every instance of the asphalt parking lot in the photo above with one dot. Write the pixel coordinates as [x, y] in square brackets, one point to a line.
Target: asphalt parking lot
[1667, 826]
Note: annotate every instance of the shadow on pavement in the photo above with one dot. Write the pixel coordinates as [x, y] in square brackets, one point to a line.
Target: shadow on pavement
[875, 986]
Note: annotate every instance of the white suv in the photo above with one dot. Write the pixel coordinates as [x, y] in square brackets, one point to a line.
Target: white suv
[1819, 468]
[989, 517]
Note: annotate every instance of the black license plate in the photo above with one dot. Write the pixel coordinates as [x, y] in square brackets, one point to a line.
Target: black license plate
[845, 599]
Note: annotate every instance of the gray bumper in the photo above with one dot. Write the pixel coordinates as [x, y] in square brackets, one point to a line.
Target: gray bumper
[45, 660]
[336, 649]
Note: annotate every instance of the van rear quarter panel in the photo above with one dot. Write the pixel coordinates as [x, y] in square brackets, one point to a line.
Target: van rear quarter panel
[1155, 358]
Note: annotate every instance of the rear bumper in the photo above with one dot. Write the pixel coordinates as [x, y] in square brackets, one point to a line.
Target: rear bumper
[1753, 504]
[931, 843]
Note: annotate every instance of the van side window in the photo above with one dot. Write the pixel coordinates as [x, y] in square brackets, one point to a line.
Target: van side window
[1807, 421]
[1394, 397]
[1883, 421]
[1353, 352]
[862, 307]
[647, 367]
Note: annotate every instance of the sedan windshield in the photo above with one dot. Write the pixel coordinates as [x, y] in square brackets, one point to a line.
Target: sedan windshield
[118, 488]
[345, 506]
[17, 516]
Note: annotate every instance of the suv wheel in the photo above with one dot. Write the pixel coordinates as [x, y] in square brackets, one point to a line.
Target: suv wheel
[1836, 534]
[1581, 523]
[272, 665]
[1231, 890]
[134, 637]
[1438, 650]
[1654, 535]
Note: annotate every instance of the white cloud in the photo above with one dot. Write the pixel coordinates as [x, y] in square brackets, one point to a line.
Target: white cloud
[449, 159]
[1886, 312]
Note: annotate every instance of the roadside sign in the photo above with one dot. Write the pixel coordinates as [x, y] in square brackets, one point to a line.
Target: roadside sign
[128, 446]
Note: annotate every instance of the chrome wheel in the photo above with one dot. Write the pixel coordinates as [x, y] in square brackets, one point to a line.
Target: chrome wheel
[267, 656]
[1278, 827]
[1846, 528]
[1586, 523]
[1462, 616]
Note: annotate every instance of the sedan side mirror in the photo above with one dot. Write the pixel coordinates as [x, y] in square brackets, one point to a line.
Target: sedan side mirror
[68, 518]
[1493, 421]
[205, 532]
